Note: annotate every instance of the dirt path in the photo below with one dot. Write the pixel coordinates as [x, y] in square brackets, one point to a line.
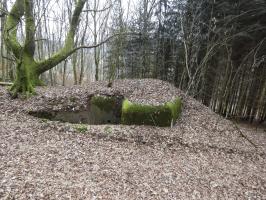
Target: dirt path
[202, 157]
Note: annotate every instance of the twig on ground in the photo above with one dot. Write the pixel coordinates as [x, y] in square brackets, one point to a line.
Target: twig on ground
[244, 136]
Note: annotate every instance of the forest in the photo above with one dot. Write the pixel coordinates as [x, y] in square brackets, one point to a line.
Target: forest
[133, 99]
[214, 50]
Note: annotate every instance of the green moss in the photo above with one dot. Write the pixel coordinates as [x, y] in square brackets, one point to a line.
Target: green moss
[105, 103]
[162, 115]
[108, 130]
[82, 128]
[175, 108]
[73, 99]
[44, 120]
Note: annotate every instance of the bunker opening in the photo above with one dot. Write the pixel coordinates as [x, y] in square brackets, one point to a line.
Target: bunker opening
[101, 109]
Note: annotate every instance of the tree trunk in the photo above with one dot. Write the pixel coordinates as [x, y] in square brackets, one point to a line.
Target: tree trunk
[26, 77]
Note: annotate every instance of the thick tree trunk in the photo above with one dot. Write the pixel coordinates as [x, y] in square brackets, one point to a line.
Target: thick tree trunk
[26, 77]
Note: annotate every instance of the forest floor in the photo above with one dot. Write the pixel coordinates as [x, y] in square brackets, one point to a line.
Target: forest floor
[202, 157]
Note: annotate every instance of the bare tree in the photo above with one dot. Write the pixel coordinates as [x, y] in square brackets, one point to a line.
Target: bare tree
[28, 69]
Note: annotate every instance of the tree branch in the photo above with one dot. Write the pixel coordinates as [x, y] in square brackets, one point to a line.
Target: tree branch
[102, 10]
[10, 32]
[68, 47]
[29, 47]
[56, 59]
[103, 42]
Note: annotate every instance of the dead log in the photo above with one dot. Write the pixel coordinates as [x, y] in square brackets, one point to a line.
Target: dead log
[5, 84]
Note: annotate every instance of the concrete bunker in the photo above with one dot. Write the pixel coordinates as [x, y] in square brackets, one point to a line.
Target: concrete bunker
[115, 109]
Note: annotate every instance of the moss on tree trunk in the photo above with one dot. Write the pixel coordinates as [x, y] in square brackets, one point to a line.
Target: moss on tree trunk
[26, 77]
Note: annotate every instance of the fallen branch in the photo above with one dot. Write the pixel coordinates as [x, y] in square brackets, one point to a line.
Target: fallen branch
[244, 136]
[5, 84]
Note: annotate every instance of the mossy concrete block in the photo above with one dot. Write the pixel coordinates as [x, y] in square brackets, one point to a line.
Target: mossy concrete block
[162, 115]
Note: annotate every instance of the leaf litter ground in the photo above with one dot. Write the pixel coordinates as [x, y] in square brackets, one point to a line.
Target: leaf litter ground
[202, 157]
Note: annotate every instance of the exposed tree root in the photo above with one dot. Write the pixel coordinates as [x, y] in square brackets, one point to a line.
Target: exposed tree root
[21, 90]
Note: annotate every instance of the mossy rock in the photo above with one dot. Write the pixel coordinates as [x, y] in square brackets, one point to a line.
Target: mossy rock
[162, 115]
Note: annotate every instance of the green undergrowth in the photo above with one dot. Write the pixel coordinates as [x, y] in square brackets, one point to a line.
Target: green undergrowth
[82, 128]
[108, 130]
[162, 115]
